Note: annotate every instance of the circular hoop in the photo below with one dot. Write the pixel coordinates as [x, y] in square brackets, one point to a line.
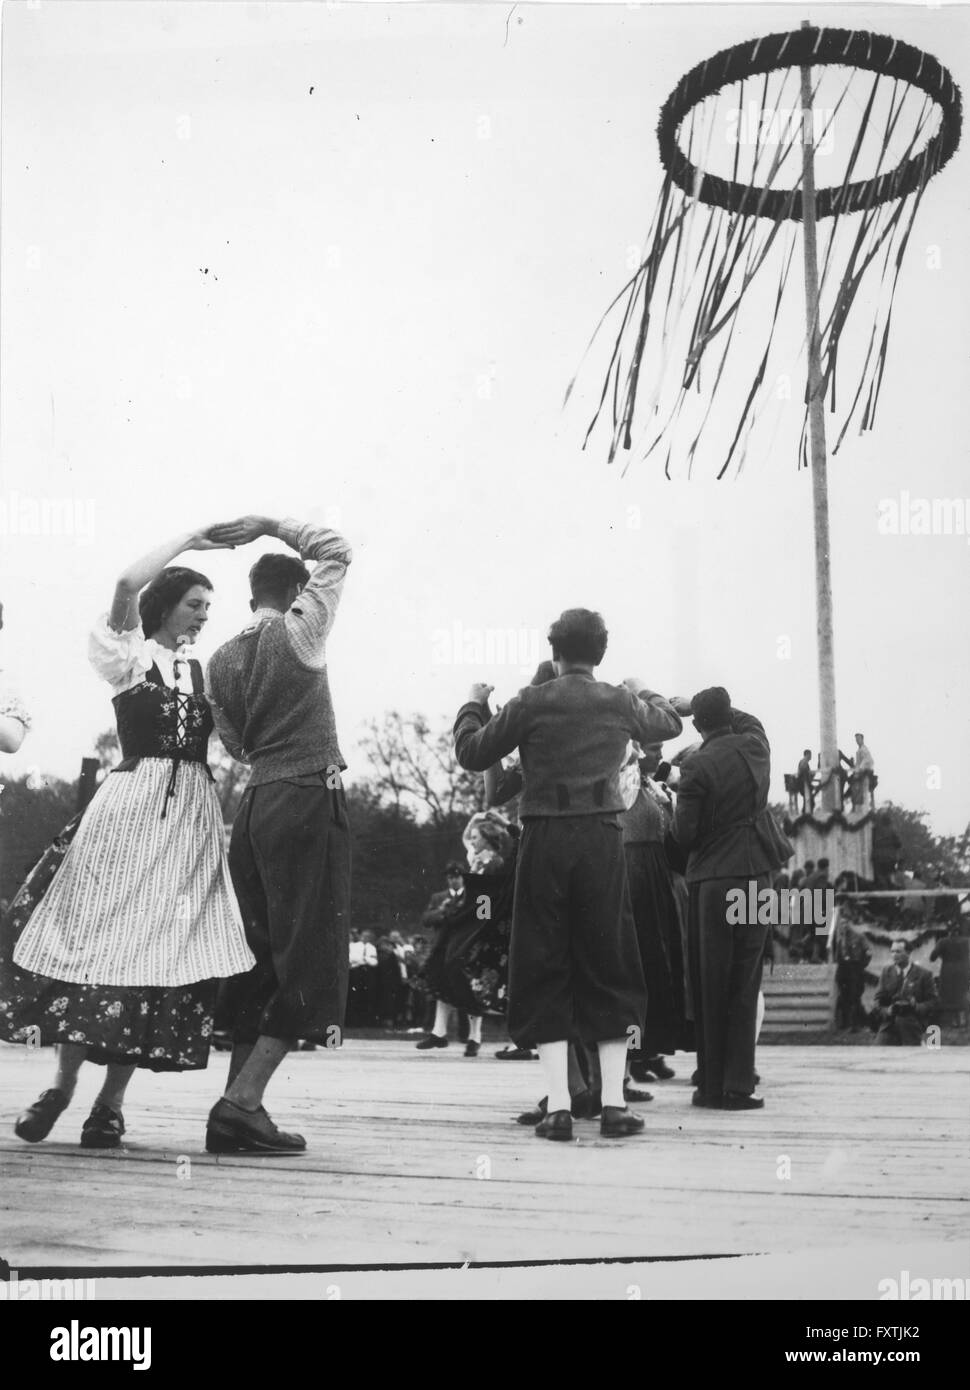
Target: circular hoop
[815, 48]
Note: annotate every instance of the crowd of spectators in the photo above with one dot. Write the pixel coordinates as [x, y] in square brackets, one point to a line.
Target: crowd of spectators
[387, 988]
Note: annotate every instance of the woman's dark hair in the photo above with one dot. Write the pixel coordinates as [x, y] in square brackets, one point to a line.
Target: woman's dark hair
[164, 592]
[579, 635]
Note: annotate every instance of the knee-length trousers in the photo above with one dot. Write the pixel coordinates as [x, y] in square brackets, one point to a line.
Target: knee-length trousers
[574, 962]
[290, 862]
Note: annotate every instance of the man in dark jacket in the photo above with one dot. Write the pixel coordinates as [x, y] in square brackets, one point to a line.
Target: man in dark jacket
[723, 824]
[906, 1000]
[574, 966]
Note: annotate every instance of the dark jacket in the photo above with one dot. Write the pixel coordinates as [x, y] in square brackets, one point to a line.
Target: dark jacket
[442, 906]
[572, 734]
[917, 992]
[722, 818]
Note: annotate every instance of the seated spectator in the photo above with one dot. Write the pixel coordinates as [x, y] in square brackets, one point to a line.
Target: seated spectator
[906, 1000]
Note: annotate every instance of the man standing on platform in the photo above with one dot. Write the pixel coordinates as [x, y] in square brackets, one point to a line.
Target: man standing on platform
[723, 823]
[290, 849]
[860, 778]
[803, 781]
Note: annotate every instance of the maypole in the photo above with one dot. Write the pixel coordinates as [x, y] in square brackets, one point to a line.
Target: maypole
[825, 634]
[679, 356]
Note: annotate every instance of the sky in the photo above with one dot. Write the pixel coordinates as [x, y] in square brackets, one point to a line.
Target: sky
[339, 263]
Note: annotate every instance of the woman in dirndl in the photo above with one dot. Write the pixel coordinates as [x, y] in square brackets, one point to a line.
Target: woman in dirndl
[115, 944]
[467, 967]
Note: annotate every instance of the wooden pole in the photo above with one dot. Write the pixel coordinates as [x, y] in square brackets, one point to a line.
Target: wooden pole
[828, 735]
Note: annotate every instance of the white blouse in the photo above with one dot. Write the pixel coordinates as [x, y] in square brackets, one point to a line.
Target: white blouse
[124, 659]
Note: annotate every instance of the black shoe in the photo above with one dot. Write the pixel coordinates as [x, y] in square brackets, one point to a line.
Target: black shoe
[39, 1119]
[618, 1124]
[102, 1129]
[657, 1068]
[558, 1125]
[634, 1097]
[586, 1105]
[471, 1048]
[695, 1078]
[733, 1100]
[432, 1040]
[533, 1117]
[704, 1101]
[233, 1130]
[516, 1054]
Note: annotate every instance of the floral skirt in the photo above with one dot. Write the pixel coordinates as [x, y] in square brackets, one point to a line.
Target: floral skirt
[160, 1028]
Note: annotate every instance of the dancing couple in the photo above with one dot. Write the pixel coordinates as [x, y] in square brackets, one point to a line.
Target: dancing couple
[115, 945]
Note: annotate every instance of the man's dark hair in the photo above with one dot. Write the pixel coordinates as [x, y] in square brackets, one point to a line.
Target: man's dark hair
[453, 869]
[823, 863]
[273, 576]
[711, 708]
[806, 752]
[579, 635]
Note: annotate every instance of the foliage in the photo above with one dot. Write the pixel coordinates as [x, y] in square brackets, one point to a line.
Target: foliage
[930, 855]
[33, 809]
[413, 768]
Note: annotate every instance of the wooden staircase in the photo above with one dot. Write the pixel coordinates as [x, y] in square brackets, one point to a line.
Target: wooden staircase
[799, 1002]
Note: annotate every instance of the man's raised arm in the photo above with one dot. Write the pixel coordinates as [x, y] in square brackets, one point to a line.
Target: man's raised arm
[655, 718]
[481, 740]
[310, 617]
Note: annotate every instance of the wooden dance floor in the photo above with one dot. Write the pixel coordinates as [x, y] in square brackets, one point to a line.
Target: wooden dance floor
[413, 1159]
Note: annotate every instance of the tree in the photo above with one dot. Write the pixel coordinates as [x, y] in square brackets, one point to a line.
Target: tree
[928, 854]
[33, 810]
[397, 861]
[414, 769]
[107, 748]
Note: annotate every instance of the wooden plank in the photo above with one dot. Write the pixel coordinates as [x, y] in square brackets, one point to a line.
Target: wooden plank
[414, 1157]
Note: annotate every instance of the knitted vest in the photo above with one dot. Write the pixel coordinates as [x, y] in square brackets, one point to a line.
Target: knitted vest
[281, 708]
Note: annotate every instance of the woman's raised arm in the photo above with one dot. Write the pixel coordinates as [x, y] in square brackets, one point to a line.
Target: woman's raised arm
[124, 607]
